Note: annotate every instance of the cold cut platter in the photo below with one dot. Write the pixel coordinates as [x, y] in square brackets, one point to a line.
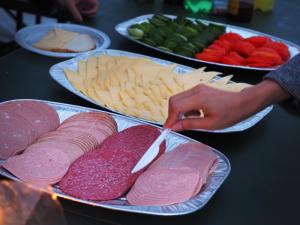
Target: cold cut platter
[208, 42]
[139, 86]
[80, 151]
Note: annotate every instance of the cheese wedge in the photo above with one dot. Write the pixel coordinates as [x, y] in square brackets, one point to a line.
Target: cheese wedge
[58, 40]
[80, 43]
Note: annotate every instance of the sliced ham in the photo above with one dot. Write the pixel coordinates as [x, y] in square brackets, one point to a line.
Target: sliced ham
[39, 166]
[47, 160]
[105, 173]
[175, 177]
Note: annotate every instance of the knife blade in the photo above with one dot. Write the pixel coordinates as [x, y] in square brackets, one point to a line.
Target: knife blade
[151, 152]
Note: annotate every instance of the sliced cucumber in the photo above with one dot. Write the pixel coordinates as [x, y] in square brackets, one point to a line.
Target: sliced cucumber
[164, 49]
[135, 33]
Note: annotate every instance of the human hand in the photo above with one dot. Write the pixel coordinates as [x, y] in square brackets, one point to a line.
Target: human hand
[80, 7]
[221, 108]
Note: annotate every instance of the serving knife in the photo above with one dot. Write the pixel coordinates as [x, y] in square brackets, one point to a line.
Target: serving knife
[151, 153]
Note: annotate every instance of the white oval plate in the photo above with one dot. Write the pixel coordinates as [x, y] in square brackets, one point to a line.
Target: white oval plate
[28, 36]
[122, 29]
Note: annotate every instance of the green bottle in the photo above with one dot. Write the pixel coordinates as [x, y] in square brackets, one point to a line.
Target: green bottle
[204, 6]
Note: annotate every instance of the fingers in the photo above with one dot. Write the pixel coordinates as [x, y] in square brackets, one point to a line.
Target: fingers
[71, 6]
[192, 124]
[88, 8]
[182, 103]
[90, 11]
[174, 110]
[78, 7]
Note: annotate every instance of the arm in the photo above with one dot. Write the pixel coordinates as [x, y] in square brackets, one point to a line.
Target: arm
[79, 7]
[221, 108]
[288, 76]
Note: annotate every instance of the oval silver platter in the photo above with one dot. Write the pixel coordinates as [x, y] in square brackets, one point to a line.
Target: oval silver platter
[27, 36]
[122, 29]
[57, 73]
[65, 110]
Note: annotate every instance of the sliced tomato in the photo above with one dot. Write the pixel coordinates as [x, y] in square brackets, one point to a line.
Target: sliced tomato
[224, 44]
[218, 48]
[280, 48]
[236, 57]
[264, 57]
[260, 64]
[258, 41]
[205, 56]
[244, 48]
[229, 60]
[219, 52]
[232, 37]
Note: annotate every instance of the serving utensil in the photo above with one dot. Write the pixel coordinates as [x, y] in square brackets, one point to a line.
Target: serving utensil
[151, 153]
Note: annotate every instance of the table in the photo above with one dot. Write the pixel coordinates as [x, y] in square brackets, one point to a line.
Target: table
[263, 187]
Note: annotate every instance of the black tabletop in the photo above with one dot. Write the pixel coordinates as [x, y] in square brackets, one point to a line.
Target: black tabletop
[264, 184]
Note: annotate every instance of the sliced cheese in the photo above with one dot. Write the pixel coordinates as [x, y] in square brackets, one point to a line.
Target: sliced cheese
[65, 41]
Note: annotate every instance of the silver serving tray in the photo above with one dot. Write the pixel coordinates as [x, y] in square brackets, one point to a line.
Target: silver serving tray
[57, 73]
[122, 29]
[65, 110]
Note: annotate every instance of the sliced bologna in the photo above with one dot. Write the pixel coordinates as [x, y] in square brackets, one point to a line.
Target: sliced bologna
[105, 173]
[15, 134]
[39, 166]
[47, 160]
[175, 177]
[21, 122]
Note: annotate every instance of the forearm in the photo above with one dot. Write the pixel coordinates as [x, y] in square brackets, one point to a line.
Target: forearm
[288, 76]
[256, 98]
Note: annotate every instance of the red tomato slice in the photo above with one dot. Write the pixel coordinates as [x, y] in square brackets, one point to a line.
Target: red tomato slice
[280, 48]
[232, 37]
[208, 57]
[244, 48]
[224, 43]
[218, 48]
[264, 56]
[229, 60]
[258, 41]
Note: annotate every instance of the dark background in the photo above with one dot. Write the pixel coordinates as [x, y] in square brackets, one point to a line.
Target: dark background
[264, 184]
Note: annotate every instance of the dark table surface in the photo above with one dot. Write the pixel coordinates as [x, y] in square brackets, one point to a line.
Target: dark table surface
[264, 184]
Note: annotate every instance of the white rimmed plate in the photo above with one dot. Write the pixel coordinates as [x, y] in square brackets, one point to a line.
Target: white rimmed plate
[28, 36]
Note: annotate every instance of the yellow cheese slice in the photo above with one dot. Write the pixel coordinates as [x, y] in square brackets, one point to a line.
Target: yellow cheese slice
[55, 39]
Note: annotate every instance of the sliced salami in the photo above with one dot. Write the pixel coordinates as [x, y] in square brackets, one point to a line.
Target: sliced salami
[105, 173]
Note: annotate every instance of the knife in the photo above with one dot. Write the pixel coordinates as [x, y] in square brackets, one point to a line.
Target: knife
[151, 153]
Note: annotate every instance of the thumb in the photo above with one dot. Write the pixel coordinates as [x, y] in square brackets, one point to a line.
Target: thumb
[71, 6]
[193, 123]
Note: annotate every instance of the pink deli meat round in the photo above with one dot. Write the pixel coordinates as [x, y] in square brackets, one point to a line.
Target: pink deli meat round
[47, 160]
[175, 177]
[22, 122]
[39, 166]
[105, 173]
